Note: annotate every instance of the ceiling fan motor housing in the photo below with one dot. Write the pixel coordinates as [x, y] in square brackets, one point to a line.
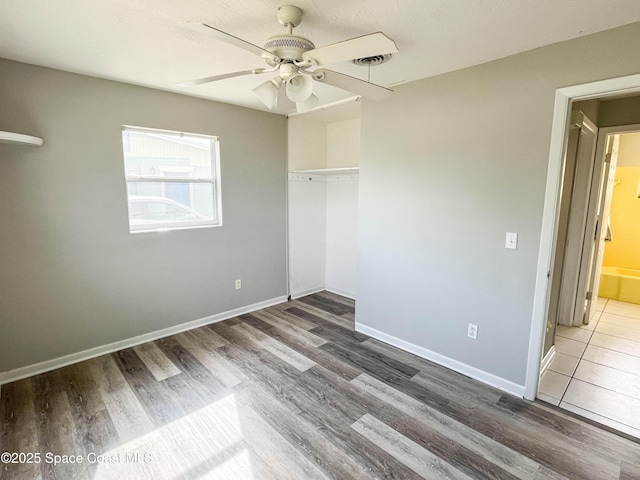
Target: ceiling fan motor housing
[287, 47]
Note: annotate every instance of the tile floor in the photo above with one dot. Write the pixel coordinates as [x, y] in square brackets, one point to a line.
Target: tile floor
[595, 371]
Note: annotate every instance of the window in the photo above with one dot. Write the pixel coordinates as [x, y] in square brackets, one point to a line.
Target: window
[173, 179]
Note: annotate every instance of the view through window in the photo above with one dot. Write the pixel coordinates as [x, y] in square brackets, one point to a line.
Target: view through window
[173, 179]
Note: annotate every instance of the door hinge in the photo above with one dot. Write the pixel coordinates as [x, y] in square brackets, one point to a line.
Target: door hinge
[589, 295]
[607, 158]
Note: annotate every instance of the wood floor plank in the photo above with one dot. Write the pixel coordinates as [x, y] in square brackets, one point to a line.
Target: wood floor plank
[128, 417]
[201, 443]
[293, 330]
[320, 416]
[505, 458]
[322, 403]
[157, 363]
[275, 450]
[437, 377]
[208, 337]
[326, 304]
[208, 437]
[281, 311]
[94, 427]
[309, 399]
[338, 335]
[630, 471]
[353, 344]
[56, 433]
[350, 302]
[278, 349]
[349, 317]
[307, 437]
[570, 427]
[196, 386]
[18, 429]
[292, 391]
[321, 317]
[160, 403]
[317, 355]
[421, 461]
[373, 366]
[460, 389]
[443, 444]
[205, 354]
[522, 436]
[486, 422]
[254, 361]
[256, 322]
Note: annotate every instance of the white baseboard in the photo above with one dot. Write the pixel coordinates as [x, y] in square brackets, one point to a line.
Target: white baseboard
[547, 359]
[309, 291]
[38, 368]
[485, 377]
[338, 291]
[322, 288]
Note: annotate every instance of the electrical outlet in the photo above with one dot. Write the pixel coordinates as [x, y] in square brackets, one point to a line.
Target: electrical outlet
[472, 331]
[238, 284]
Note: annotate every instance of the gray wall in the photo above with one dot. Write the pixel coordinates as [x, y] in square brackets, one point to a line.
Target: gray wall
[71, 275]
[620, 111]
[449, 165]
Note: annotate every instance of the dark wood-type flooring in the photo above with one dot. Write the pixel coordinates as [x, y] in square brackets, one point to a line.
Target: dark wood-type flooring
[289, 392]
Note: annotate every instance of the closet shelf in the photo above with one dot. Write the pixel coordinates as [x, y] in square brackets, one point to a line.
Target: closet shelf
[330, 171]
[20, 139]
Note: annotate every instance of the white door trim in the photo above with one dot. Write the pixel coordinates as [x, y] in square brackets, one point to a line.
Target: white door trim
[561, 113]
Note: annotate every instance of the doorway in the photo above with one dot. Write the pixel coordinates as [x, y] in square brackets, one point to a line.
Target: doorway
[594, 366]
[607, 90]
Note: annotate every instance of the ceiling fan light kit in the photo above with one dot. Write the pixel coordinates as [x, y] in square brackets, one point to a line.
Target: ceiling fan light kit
[293, 56]
[267, 92]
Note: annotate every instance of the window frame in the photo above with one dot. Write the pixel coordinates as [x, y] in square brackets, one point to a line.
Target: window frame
[214, 181]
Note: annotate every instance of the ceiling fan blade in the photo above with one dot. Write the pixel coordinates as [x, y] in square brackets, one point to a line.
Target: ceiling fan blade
[360, 47]
[215, 78]
[233, 40]
[352, 84]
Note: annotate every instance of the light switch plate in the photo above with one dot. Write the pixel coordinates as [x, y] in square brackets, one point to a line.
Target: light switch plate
[511, 241]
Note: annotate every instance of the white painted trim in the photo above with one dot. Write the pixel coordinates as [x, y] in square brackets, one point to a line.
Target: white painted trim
[311, 291]
[548, 358]
[564, 96]
[606, 131]
[306, 292]
[331, 171]
[301, 176]
[36, 369]
[306, 177]
[343, 293]
[485, 377]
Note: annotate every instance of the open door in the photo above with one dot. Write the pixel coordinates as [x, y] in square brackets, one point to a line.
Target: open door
[604, 178]
[572, 258]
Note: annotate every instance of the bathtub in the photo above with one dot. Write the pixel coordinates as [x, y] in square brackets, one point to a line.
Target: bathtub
[620, 284]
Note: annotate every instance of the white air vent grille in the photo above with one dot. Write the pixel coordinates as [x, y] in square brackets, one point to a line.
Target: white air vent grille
[371, 61]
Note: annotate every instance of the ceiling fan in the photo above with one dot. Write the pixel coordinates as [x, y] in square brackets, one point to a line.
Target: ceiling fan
[293, 57]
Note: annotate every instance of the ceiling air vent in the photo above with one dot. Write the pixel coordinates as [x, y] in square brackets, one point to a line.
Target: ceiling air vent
[371, 61]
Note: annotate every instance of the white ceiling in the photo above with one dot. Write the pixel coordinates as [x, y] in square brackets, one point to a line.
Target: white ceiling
[147, 42]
